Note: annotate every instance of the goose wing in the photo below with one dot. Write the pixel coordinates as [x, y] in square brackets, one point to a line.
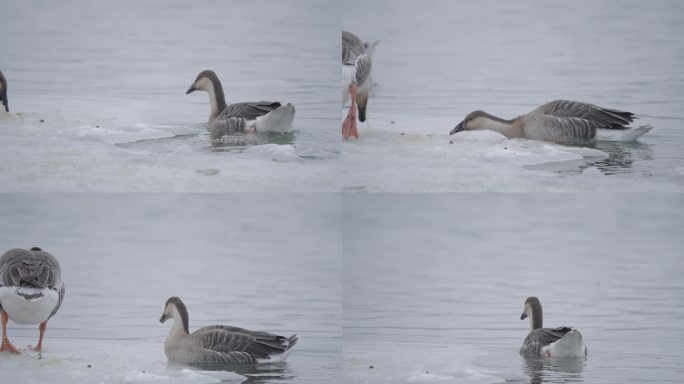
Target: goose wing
[226, 339]
[352, 48]
[354, 54]
[34, 268]
[600, 117]
[249, 111]
[540, 337]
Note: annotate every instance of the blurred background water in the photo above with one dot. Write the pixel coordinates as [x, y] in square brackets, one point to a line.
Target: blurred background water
[108, 80]
[437, 61]
[434, 287]
[255, 261]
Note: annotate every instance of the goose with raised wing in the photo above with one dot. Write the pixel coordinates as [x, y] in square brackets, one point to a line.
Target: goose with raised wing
[560, 121]
[356, 68]
[549, 342]
[220, 344]
[3, 92]
[31, 291]
[245, 117]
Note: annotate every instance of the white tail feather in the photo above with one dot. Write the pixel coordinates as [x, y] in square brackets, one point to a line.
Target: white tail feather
[630, 134]
[279, 120]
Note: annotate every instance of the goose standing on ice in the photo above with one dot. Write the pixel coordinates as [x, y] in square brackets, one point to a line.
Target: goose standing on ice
[560, 121]
[31, 291]
[549, 342]
[241, 117]
[356, 68]
[220, 344]
[3, 92]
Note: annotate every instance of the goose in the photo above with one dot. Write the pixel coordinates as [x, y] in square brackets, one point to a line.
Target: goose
[3, 91]
[560, 121]
[549, 342]
[245, 117]
[31, 291]
[356, 68]
[220, 344]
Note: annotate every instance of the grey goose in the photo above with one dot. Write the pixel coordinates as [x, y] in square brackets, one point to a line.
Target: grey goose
[549, 342]
[560, 121]
[31, 291]
[244, 117]
[220, 344]
[356, 68]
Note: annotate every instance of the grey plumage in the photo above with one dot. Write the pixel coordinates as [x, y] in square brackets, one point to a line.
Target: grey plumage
[567, 120]
[559, 121]
[541, 337]
[221, 344]
[354, 54]
[32, 268]
[233, 118]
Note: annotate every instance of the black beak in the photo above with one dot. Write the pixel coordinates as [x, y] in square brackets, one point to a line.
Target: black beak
[523, 316]
[192, 89]
[3, 98]
[163, 318]
[457, 128]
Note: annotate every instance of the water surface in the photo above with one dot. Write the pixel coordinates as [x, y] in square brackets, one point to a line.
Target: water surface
[438, 61]
[108, 81]
[434, 287]
[258, 262]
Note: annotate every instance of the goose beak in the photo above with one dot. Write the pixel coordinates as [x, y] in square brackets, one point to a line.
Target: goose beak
[457, 128]
[523, 316]
[163, 318]
[191, 89]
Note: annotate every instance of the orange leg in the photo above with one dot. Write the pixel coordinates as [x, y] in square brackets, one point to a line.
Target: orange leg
[6, 345]
[349, 124]
[41, 328]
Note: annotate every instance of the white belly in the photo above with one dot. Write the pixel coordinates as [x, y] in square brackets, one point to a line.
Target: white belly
[32, 310]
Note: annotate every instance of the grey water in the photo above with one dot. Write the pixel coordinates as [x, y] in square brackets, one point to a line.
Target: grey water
[260, 262]
[102, 86]
[434, 287]
[438, 61]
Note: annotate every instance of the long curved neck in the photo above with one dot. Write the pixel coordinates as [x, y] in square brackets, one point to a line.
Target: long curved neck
[510, 128]
[216, 97]
[180, 319]
[536, 320]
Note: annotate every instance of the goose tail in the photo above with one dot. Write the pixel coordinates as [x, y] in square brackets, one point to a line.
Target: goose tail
[279, 120]
[570, 345]
[630, 134]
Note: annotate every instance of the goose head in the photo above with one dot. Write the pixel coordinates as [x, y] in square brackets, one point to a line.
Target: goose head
[204, 82]
[207, 81]
[532, 309]
[476, 120]
[175, 309]
[3, 92]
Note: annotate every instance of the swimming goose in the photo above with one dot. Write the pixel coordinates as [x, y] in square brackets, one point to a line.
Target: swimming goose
[220, 344]
[241, 117]
[549, 342]
[560, 121]
[356, 68]
[3, 91]
[31, 291]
